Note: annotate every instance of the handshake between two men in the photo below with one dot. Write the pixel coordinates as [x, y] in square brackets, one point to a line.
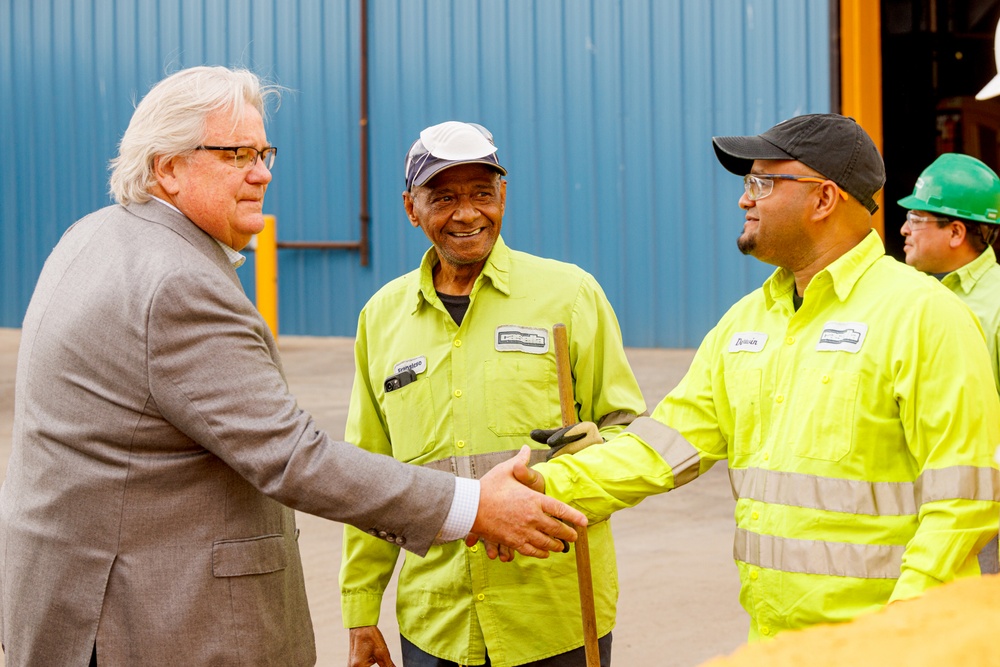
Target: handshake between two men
[512, 518]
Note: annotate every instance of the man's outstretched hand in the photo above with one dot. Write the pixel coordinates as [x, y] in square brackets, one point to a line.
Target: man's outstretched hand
[514, 512]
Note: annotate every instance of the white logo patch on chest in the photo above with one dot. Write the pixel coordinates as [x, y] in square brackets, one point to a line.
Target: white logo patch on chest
[514, 338]
[416, 364]
[747, 341]
[842, 337]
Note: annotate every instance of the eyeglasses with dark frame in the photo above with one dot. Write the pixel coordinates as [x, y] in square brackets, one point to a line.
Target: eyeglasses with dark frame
[245, 156]
[758, 186]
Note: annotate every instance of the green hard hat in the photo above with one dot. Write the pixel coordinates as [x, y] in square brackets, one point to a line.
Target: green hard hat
[957, 186]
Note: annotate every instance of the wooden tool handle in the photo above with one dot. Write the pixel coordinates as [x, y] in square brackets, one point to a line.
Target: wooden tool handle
[567, 404]
[564, 374]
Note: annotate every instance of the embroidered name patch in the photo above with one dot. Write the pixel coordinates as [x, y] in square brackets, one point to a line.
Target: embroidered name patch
[747, 341]
[842, 337]
[416, 364]
[513, 338]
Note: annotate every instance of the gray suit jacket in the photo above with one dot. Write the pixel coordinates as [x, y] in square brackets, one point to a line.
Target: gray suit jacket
[156, 454]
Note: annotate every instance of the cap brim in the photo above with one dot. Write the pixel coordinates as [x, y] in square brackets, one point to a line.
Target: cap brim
[737, 154]
[437, 166]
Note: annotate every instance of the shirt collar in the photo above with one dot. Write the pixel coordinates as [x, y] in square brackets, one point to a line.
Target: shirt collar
[844, 273]
[496, 272]
[970, 274]
[234, 257]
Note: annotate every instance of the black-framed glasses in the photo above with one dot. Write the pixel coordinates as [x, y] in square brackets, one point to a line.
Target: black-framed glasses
[245, 156]
[758, 186]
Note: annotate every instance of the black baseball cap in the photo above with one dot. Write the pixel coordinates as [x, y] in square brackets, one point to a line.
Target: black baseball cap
[831, 144]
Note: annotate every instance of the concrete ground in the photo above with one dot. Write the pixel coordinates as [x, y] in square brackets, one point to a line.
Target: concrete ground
[678, 604]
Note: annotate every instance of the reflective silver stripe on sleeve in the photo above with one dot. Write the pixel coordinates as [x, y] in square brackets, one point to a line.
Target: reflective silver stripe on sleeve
[961, 482]
[477, 465]
[839, 559]
[823, 493]
[616, 418]
[683, 459]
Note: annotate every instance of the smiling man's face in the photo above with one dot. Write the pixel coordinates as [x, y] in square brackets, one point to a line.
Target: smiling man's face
[461, 211]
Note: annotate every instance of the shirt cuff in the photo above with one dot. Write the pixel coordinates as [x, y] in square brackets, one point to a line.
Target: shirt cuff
[464, 507]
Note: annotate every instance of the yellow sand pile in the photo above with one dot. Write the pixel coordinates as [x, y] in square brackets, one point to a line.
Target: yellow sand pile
[955, 624]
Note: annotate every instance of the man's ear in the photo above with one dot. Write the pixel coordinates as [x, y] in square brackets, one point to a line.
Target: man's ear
[164, 169]
[827, 200]
[958, 234]
[408, 207]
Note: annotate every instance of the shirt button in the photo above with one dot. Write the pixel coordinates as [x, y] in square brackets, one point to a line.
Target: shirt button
[474, 548]
[460, 444]
[753, 575]
[755, 516]
[480, 597]
[458, 342]
[826, 379]
[766, 456]
[765, 631]
[458, 393]
[790, 340]
[779, 398]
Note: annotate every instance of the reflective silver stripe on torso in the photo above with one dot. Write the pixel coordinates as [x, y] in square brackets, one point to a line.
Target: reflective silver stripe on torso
[477, 465]
[683, 459]
[860, 497]
[839, 559]
[823, 493]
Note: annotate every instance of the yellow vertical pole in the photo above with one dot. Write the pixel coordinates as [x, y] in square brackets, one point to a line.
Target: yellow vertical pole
[267, 273]
[861, 74]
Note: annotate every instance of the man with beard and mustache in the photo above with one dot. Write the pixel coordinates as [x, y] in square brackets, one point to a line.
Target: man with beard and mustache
[850, 395]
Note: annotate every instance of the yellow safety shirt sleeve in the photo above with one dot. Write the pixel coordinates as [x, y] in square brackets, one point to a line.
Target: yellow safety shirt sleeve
[603, 479]
[943, 416]
[977, 284]
[603, 382]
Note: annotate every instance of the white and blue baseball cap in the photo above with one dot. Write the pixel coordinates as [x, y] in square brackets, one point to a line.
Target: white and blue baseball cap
[446, 145]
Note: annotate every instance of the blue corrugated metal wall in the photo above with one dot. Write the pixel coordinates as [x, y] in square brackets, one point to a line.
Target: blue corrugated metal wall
[603, 111]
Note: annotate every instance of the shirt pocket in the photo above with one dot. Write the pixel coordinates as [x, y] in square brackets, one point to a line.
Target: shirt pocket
[411, 416]
[744, 387]
[521, 394]
[826, 414]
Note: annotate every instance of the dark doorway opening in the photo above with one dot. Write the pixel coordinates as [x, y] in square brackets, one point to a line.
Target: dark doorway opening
[936, 55]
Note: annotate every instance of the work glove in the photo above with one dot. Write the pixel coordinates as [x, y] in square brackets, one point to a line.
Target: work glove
[568, 439]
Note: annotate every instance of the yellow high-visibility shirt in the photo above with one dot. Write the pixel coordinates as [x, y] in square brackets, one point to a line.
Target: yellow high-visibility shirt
[859, 433]
[481, 388]
[977, 284]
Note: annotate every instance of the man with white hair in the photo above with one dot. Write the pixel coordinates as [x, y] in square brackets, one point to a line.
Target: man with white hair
[146, 516]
